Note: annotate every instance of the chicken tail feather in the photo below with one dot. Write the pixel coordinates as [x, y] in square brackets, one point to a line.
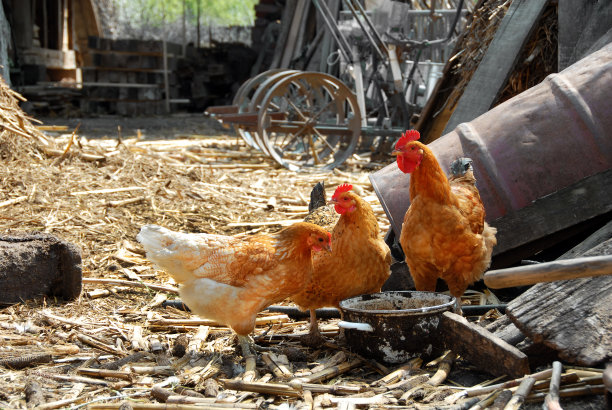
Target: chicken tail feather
[163, 248]
[317, 197]
[154, 238]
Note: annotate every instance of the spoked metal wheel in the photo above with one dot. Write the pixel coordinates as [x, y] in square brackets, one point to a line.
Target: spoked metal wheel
[242, 100]
[309, 121]
[254, 105]
[255, 88]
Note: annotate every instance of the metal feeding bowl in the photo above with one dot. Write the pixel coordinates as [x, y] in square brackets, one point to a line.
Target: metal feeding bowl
[392, 327]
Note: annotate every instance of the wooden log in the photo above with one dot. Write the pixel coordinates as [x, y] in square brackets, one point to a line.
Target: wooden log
[35, 265]
[481, 348]
[549, 272]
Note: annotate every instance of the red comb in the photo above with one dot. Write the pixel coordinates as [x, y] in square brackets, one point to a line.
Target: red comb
[410, 135]
[342, 188]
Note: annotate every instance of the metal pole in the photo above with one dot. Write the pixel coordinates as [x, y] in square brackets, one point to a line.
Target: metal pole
[381, 55]
[328, 18]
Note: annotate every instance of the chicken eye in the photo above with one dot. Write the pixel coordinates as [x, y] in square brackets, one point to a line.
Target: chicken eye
[320, 239]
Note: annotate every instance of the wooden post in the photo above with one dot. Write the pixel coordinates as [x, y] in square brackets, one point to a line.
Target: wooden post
[166, 85]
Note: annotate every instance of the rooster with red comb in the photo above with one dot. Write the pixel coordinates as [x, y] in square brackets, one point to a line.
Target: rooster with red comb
[444, 234]
[358, 264]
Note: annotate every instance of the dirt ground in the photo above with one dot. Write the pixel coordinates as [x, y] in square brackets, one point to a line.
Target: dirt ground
[160, 127]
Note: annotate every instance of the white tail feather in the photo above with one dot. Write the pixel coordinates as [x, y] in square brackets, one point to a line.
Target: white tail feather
[161, 247]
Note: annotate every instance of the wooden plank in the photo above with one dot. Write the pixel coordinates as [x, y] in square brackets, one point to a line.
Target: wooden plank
[481, 348]
[286, 20]
[572, 317]
[581, 24]
[586, 199]
[121, 85]
[498, 62]
[597, 237]
[294, 30]
[221, 109]
[124, 69]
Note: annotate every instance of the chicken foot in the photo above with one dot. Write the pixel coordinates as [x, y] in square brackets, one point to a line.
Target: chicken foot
[314, 337]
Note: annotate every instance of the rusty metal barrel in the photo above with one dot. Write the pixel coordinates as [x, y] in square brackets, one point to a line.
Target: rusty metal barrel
[543, 140]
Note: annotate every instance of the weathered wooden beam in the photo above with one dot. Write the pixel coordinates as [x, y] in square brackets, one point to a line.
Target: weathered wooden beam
[498, 62]
[586, 199]
[572, 317]
[221, 109]
[481, 348]
[581, 24]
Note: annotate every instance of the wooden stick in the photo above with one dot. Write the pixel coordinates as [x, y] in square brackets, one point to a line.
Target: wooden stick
[163, 406]
[549, 272]
[120, 282]
[283, 222]
[519, 395]
[400, 373]
[478, 391]
[129, 201]
[486, 402]
[552, 398]
[73, 379]
[109, 190]
[280, 370]
[327, 373]
[13, 201]
[565, 379]
[57, 404]
[99, 345]
[260, 321]
[445, 367]
[105, 373]
[266, 388]
[571, 392]
[163, 370]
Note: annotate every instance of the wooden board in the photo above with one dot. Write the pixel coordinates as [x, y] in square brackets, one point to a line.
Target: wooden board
[573, 317]
[587, 199]
[498, 62]
[286, 19]
[581, 24]
[481, 348]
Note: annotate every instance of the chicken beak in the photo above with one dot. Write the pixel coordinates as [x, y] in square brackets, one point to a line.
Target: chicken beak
[396, 152]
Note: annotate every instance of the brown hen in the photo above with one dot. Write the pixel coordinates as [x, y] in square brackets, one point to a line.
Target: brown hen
[358, 264]
[444, 234]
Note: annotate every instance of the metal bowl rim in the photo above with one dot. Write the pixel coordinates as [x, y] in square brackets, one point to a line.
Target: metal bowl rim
[400, 312]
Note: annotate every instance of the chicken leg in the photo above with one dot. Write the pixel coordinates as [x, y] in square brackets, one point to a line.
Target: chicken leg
[314, 337]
